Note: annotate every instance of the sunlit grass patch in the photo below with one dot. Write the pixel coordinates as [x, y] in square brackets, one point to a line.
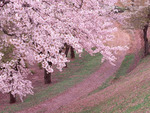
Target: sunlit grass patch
[127, 62]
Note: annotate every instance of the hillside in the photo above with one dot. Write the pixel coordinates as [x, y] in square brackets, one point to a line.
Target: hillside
[129, 93]
[75, 56]
[81, 72]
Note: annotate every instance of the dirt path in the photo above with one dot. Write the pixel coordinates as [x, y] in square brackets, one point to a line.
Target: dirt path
[79, 90]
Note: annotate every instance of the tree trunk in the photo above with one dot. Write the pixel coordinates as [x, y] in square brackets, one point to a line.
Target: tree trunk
[12, 99]
[72, 53]
[47, 77]
[132, 2]
[146, 47]
[66, 52]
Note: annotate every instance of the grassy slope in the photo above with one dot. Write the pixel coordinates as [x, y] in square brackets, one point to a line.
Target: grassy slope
[122, 71]
[77, 71]
[130, 93]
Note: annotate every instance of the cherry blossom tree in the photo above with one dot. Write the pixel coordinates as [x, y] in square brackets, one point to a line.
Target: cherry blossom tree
[13, 79]
[13, 73]
[39, 29]
[95, 25]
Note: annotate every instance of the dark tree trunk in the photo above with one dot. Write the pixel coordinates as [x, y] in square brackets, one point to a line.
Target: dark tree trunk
[12, 99]
[66, 52]
[47, 77]
[132, 2]
[146, 47]
[72, 53]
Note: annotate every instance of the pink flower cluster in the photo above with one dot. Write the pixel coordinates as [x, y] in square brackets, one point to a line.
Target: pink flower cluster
[40, 28]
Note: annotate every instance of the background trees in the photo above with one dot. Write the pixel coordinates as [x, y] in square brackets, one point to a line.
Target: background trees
[137, 17]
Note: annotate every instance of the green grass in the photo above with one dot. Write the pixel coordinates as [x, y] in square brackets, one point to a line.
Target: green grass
[123, 70]
[127, 62]
[128, 104]
[97, 108]
[130, 100]
[93, 110]
[141, 105]
[77, 71]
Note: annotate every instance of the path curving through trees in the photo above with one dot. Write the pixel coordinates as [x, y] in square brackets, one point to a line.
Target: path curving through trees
[78, 91]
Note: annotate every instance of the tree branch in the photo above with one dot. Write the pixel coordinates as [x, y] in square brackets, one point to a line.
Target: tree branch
[4, 2]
